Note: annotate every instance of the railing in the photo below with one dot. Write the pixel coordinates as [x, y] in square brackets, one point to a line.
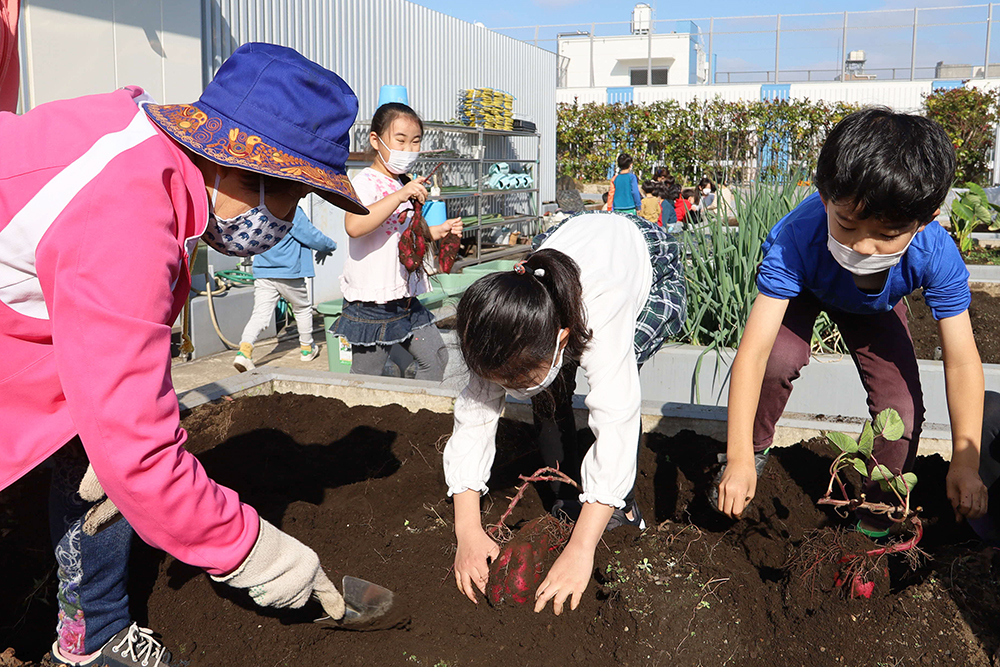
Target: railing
[948, 42]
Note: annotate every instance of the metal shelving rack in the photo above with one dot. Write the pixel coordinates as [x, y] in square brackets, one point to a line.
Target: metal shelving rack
[477, 150]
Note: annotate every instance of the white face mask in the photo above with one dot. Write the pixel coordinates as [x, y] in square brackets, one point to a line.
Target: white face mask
[250, 233]
[859, 264]
[550, 377]
[399, 162]
[706, 191]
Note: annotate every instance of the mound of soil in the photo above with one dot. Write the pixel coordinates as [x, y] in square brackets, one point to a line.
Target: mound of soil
[364, 487]
[984, 311]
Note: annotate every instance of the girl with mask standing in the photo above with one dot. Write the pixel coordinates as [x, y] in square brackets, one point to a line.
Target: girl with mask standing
[602, 291]
[380, 296]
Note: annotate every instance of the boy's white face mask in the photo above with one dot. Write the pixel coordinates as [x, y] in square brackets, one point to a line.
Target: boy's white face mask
[863, 265]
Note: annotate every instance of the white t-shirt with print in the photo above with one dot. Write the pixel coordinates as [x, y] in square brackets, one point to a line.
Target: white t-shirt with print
[372, 270]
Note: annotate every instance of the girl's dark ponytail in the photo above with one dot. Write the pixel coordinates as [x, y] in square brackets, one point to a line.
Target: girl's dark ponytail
[508, 321]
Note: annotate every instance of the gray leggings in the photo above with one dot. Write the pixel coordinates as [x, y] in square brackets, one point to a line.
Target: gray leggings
[426, 346]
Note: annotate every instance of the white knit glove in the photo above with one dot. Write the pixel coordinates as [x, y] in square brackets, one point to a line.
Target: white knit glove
[282, 572]
[103, 513]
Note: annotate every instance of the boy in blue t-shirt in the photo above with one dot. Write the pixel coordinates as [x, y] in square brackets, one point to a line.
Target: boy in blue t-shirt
[627, 197]
[855, 249]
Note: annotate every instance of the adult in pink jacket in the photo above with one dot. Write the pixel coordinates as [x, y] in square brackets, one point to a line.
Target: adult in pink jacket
[102, 201]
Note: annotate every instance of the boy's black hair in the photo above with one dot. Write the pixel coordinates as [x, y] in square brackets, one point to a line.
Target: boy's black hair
[894, 167]
[690, 192]
[661, 172]
[624, 161]
[649, 187]
[507, 321]
[385, 114]
[673, 191]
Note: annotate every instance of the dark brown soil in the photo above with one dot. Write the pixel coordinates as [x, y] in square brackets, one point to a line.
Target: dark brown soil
[364, 487]
[984, 313]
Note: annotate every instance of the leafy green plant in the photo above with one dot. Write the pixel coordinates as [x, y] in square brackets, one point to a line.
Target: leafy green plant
[970, 210]
[858, 454]
[969, 116]
[732, 142]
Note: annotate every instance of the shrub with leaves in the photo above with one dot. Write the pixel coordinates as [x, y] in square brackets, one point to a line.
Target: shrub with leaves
[969, 116]
[970, 210]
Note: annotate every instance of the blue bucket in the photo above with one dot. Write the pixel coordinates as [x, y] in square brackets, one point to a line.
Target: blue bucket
[388, 94]
[434, 212]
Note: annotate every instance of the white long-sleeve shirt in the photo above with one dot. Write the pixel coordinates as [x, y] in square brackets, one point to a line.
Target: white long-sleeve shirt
[616, 275]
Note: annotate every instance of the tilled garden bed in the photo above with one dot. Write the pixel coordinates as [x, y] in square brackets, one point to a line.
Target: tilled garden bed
[365, 488]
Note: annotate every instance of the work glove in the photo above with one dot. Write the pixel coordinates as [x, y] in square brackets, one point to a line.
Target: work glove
[282, 572]
[104, 513]
[322, 256]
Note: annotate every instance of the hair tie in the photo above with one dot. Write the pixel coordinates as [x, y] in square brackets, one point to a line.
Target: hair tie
[519, 269]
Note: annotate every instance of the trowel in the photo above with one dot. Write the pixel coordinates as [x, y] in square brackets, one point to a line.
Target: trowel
[363, 601]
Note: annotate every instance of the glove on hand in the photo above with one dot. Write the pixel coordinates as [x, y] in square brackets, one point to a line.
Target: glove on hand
[103, 513]
[282, 572]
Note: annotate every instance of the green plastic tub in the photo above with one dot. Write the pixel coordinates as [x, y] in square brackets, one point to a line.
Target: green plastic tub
[480, 270]
[338, 350]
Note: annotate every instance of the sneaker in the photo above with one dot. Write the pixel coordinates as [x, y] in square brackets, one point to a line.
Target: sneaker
[243, 361]
[620, 518]
[759, 461]
[132, 647]
[309, 353]
[566, 509]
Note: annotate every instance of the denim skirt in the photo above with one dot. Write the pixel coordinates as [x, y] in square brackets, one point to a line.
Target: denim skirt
[366, 323]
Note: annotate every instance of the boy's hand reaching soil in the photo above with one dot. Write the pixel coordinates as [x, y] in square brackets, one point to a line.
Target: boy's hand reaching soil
[471, 567]
[966, 491]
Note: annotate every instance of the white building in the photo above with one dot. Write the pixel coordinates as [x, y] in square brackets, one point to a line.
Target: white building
[640, 59]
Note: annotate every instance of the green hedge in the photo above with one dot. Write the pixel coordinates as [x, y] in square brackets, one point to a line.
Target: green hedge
[723, 140]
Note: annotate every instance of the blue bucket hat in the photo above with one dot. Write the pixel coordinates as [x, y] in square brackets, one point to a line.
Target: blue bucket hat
[272, 111]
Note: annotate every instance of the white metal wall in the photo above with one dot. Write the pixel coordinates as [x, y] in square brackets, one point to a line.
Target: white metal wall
[70, 48]
[374, 42]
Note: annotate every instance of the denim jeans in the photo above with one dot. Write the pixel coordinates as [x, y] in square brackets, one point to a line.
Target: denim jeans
[92, 569]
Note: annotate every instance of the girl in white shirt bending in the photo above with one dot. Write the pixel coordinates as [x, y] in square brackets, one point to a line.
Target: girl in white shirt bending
[602, 291]
[380, 295]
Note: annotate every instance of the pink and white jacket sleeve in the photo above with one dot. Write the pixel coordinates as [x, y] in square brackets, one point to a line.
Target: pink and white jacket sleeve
[108, 280]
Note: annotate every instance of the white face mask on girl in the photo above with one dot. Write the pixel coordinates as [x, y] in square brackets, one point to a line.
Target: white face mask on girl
[859, 264]
[550, 377]
[399, 162]
[246, 234]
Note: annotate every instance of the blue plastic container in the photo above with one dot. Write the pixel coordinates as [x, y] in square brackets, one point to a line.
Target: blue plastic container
[435, 213]
[388, 94]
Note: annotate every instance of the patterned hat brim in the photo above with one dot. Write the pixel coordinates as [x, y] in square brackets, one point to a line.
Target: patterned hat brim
[222, 141]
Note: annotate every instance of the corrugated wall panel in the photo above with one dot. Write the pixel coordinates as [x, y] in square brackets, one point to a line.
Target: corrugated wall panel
[374, 42]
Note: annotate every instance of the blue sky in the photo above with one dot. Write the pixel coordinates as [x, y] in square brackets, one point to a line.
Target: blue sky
[887, 46]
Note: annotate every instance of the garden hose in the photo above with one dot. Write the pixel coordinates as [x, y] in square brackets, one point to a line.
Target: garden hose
[224, 280]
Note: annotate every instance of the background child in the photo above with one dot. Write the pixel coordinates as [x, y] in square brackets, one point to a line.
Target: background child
[668, 193]
[281, 272]
[602, 292]
[684, 205]
[855, 249]
[380, 296]
[650, 209]
[626, 192]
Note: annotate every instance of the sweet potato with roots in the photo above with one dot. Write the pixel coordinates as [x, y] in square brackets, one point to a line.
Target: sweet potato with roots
[856, 568]
[413, 240]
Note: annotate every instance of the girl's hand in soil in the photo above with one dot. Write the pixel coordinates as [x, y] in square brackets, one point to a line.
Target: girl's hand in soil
[737, 488]
[471, 566]
[571, 572]
[454, 225]
[966, 491]
[567, 579]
